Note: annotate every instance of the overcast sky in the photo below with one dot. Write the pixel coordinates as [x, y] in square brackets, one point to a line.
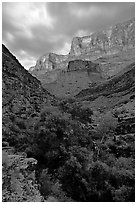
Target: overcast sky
[30, 29]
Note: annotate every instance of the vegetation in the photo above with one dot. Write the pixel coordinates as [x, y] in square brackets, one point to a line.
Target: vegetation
[77, 162]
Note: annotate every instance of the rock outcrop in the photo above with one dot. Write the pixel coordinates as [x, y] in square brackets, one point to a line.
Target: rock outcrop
[77, 65]
[18, 177]
[109, 41]
[48, 62]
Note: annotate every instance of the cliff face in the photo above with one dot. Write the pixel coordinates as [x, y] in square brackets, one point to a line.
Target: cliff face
[113, 40]
[109, 41]
[111, 50]
[77, 65]
[48, 62]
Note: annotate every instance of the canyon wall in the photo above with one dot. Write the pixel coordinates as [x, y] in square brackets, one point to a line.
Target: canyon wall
[105, 43]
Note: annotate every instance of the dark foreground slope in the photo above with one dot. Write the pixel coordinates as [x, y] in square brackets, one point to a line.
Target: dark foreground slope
[22, 97]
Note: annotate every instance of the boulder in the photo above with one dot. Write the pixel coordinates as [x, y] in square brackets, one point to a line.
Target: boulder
[19, 181]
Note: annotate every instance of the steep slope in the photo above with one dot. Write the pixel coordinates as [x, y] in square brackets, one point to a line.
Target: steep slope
[22, 95]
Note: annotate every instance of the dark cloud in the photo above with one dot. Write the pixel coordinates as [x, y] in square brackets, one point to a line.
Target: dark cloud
[30, 30]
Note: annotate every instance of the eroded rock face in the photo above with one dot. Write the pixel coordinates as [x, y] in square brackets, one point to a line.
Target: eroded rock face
[48, 62]
[109, 41]
[47, 67]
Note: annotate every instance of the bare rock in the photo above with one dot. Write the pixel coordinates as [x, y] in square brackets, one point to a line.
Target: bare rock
[19, 182]
[109, 41]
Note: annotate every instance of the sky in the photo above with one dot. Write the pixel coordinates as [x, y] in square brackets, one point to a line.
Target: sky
[32, 29]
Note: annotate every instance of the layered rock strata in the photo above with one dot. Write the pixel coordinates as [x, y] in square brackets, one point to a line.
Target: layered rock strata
[110, 41]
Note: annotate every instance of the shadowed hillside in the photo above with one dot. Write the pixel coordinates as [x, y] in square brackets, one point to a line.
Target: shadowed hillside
[123, 81]
[22, 96]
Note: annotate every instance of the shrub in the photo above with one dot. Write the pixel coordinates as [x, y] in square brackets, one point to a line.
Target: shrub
[123, 194]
